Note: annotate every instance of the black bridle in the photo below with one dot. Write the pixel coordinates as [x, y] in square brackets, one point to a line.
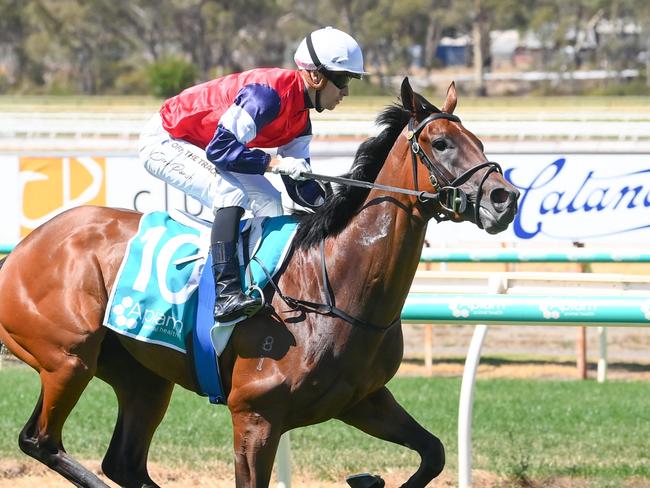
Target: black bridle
[447, 194]
[452, 200]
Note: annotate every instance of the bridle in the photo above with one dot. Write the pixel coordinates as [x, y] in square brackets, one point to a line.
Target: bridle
[452, 200]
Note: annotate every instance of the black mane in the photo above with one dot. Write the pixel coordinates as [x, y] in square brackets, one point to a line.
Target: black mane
[334, 215]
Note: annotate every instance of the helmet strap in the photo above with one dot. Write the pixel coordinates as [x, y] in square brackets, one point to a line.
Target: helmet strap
[319, 66]
[319, 108]
[312, 53]
[316, 86]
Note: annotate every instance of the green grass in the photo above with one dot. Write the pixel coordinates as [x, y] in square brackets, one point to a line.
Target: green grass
[62, 103]
[354, 103]
[523, 429]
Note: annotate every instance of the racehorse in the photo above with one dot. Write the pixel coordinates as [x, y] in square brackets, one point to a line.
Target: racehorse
[301, 362]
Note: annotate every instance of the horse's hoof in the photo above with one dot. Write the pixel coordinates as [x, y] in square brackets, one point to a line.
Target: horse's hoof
[365, 480]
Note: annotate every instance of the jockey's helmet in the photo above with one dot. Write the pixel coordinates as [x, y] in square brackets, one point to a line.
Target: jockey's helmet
[332, 52]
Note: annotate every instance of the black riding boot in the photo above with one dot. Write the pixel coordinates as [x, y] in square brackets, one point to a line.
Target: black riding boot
[232, 303]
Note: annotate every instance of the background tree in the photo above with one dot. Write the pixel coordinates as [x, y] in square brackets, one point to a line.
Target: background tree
[107, 46]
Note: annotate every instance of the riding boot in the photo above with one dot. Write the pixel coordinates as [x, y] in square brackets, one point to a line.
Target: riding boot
[231, 302]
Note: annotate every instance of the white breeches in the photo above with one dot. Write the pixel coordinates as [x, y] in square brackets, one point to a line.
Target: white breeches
[185, 167]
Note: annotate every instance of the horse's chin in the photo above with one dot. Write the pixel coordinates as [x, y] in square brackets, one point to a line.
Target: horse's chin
[493, 224]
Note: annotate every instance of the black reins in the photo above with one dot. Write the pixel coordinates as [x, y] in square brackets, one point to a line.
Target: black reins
[452, 200]
[328, 308]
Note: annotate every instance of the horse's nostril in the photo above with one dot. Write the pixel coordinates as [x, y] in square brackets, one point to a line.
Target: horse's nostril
[501, 196]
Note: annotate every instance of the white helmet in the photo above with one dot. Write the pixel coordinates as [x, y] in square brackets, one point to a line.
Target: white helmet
[331, 50]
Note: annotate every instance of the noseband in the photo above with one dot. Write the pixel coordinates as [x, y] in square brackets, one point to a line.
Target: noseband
[452, 200]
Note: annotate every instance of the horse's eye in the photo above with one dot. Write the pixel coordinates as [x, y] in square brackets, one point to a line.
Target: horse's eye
[440, 145]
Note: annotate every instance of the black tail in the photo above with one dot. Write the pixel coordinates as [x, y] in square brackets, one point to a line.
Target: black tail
[2, 261]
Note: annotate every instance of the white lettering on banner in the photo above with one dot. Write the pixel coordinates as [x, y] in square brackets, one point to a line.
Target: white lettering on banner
[566, 308]
[155, 319]
[565, 200]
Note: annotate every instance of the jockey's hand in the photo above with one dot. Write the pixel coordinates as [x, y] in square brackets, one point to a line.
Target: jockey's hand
[292, 167]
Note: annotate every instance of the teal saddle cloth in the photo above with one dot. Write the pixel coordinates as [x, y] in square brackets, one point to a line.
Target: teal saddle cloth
[164, 292]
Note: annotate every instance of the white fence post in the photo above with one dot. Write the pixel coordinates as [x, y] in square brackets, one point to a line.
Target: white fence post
[283, 462]
[496, 284]
[465, 407]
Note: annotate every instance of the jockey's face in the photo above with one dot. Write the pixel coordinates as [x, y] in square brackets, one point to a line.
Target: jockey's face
[331, 95]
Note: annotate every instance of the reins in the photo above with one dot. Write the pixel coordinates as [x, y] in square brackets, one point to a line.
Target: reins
[328, 308]
[452, 200]
[448, 195]
[340, 180]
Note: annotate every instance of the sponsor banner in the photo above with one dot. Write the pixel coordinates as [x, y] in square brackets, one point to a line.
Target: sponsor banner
[33, 189]
[564, 197]
[568, 198]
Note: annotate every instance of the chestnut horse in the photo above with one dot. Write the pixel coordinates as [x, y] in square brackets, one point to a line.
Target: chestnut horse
[294, 366]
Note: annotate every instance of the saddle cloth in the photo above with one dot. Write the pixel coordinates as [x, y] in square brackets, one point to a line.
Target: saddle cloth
[164, 291]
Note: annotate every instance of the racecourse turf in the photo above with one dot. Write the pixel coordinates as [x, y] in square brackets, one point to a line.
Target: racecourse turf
[523, 429]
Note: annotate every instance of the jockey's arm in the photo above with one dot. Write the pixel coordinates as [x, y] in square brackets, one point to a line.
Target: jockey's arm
[254, 107]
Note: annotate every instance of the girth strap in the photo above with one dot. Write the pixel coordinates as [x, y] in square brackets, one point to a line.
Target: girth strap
[328, 308]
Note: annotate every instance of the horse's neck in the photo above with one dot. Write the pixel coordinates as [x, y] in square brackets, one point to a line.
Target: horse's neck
[377, 255]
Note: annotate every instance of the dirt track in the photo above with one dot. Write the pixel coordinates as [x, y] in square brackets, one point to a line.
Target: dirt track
[29, 474]
[537, 351]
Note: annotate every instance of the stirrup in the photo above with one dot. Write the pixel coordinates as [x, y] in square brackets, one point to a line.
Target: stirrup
[246, 312]
[255, 288]
[250, 311]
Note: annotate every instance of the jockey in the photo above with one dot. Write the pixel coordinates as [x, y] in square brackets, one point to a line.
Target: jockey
[205, 142]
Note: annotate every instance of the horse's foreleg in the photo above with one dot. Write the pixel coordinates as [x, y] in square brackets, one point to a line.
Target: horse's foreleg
[255, 443]
[381, 416]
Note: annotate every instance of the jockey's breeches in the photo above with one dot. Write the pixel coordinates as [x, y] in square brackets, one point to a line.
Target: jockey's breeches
[185, 167]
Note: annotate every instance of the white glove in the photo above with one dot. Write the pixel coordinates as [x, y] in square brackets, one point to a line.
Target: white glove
[292, 167]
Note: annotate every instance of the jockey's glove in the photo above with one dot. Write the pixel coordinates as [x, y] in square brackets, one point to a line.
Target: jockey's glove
[292, 167]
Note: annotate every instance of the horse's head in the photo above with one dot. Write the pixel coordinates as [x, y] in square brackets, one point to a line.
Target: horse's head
[448, 160]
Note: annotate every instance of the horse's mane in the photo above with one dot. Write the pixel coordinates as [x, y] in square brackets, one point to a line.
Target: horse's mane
[333, 216]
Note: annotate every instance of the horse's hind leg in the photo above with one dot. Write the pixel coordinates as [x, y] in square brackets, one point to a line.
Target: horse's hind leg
[41, 437]
[381, 416]
[143, 398]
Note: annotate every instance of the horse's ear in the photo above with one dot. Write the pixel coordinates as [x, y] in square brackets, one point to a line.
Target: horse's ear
[406, 94]
[450, 103]
[415, 103]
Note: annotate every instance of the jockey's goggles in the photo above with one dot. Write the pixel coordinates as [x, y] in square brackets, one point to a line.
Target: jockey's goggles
[340, 79]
